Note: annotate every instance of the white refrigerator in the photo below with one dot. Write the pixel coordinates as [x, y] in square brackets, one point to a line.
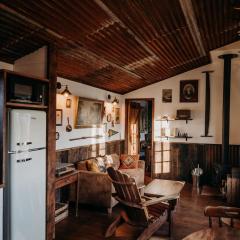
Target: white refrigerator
[27, 174]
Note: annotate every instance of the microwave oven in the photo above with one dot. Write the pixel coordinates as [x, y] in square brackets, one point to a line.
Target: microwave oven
[24, 90]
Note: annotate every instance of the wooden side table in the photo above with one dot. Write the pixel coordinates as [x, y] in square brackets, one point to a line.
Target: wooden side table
[71, 178]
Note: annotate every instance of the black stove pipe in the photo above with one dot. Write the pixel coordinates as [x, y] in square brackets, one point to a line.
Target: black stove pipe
[227, 58]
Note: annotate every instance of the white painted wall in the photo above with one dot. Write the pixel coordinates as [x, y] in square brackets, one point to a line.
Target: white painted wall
[82, 90]
[195, 128]
[33, 63]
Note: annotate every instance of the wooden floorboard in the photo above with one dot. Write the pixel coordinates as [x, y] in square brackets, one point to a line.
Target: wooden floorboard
[92, 223]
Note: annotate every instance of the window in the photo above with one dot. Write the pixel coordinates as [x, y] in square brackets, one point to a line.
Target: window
[162, 158]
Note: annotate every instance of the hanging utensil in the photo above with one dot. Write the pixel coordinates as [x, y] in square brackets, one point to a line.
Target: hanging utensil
[68, 127]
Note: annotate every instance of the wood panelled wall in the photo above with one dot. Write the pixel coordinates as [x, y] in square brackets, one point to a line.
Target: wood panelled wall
[176, 160]
[76, 154]
[170, 160]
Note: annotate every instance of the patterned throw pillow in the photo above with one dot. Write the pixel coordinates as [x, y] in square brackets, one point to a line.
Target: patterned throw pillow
[92, 166]
[129, 161]
[101, 164]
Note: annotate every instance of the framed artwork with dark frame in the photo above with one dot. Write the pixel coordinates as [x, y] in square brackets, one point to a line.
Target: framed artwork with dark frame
[167, 95]
[59, 117]
[89, 113]
[189, 91]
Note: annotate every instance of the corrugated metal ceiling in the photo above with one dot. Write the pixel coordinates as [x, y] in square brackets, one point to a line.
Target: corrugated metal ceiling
[119, 45]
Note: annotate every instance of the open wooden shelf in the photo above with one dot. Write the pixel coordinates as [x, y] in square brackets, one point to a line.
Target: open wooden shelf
[174, 137]
[25, 105]
[175, 119]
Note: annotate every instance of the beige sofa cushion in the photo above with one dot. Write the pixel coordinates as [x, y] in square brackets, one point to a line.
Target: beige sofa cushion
[112, 160]
[137, 174]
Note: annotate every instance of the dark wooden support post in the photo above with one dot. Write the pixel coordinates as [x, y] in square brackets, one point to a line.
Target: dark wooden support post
[226, 110]
[51, 141]
[207, 103]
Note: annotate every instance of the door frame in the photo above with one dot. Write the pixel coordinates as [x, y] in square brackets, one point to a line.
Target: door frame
[127, 100]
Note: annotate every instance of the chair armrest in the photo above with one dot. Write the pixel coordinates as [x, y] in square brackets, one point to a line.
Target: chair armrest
[140, 187]
[141, 164]
[90, 173]
[94, 181]
[155, 201]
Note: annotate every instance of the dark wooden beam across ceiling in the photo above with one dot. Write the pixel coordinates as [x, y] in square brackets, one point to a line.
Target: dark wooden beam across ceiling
[118, 45]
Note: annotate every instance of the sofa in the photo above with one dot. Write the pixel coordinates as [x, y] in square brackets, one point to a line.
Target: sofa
[95, 188]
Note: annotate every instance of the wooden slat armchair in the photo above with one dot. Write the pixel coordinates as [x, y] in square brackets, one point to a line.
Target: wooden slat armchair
[222, 212]
[137, 208]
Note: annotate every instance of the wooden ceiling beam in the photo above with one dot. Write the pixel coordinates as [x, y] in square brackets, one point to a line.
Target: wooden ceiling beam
[191, 21]
[71, 43]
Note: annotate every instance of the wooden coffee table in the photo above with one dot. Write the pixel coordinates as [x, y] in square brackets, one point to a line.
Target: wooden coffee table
[164, 188]
[217, 233]
[168, 190]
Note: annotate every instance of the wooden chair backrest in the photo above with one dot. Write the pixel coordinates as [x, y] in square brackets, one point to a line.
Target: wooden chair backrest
[125, 187]
[222, 212]
[129, 196]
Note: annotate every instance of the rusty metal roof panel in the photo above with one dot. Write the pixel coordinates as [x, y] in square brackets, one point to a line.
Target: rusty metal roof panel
[119, 45]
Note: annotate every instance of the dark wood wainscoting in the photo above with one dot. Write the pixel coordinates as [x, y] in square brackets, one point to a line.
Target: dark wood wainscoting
[176, 160]
[84, 152]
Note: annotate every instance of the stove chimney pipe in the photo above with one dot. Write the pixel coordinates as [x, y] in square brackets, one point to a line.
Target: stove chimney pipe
[227, 58]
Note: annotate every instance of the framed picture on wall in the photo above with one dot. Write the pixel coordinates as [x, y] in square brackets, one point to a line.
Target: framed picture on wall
[59, 117]
[117, 115]
[167, 95]
[189, 91]
[68, 103]
[89, 113]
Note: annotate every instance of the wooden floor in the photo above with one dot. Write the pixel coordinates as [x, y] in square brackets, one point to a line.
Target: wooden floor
[92, 223]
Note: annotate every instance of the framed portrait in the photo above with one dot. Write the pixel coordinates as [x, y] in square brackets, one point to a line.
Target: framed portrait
[59, 117]
[89, 113]
[189, 91]
[167, 95]
[117, 115]
[68, 103]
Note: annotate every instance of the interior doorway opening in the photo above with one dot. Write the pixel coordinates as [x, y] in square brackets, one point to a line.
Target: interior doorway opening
[139, 129]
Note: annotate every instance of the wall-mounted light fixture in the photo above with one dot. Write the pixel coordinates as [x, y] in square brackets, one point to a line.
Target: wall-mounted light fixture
[65, 92]
[109, 97]
[115, 101]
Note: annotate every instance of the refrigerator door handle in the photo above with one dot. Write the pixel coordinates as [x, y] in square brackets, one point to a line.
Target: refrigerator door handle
[36, 149]
[12, 152]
